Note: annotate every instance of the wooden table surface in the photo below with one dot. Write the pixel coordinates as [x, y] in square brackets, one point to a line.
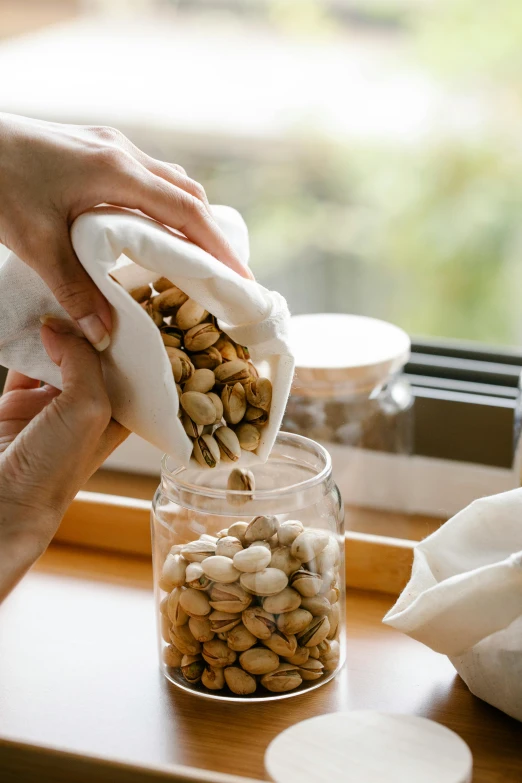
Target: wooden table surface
[78, 671]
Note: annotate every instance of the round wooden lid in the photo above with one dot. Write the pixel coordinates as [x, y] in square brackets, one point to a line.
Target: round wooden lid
[369, 747]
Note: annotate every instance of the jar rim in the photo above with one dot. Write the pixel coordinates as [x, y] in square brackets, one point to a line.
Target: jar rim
[261, 494]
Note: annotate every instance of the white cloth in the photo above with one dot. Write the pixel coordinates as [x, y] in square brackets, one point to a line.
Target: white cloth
[464, 598]
[137, 250]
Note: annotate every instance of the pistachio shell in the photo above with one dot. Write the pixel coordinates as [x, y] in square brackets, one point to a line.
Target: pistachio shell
[283, 559]
[218, 405]
[217, 654]
[173, 572]
[311, 670]
[238, 529]
[281, 643]
[141, 293]
[248, 436]
[228, 443]
[259, 622]
[194, 602]
[221, 622]
[229, 598]
[267, 582]
[256, 416]
[165, 626]
[285, 678]
[334, 617]
[183, 640]
[172, 656]
[259, 393]
[200, 381]
[316, 632]
[196, 551]
[162, 284]
[228, 546]
[306, 583]
[300, 656]
[198, 406]
[314, 652]
[213, 679]
[175, 611]
[192, 668]
[240, 480]
[196, 577]
[330, 660]
[261, 529]
[240, 638]
[309, 544]
[259, 660]
[220, 569]
[190, 314]
[200, 337]
[169, 300]
[226, 348]
[231, 372]
[192, 429]
[239, 681]
[234, 403]
[200, 629]
[156, 317]
[252, 559]
[208, 359]
[206, 451]
[295, 621]
[288, 532]
[318, 605]
[285, 601]
[171, 336]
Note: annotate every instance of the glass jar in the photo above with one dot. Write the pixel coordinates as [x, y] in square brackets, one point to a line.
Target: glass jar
[283, 633]
[348, 387]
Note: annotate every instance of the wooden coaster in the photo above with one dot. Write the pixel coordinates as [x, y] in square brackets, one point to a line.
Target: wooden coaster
[368, 747]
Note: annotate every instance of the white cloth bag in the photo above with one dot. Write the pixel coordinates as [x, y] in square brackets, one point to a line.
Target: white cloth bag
[464, 598]
[136, 250]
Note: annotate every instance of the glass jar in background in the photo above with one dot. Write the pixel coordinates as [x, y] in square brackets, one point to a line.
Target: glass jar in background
[274, 626]
[349, 388]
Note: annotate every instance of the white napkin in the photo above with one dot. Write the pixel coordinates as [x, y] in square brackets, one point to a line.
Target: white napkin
[137, 250]
[464, 598]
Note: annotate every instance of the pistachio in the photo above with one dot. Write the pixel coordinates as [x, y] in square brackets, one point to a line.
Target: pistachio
[222, 636]
[267, 582]
[192, 668]
[213, 679]
[285, 601]
[327, 560]
[222, 533]
[239, 681]
[200, 381]
[229, 598]
[316, 632]
[169, 300]
[311, 670]
[163, 605]
[228, 546]
[334, 617]
[243, 481]
[264, 544]
[207, 537]
[183, 640]
[162, 284]
[318, 605]
[206, 451]
[182, 369]
[196, 577]
[196, 551]
[175, 549]
[259, 660]
[240, 638]
[288, 532]
[282, 558]
[175, 611]
[281, 643]
[201, 337]
[259, 393]
[285, 678]
[171, 336]
[221, 622]
[165, 626]
[306, 583]
[208, 359]
[157, 317]
[252, 559]
[226, 348]
[242, 352]
[217, 654]
[141, 293]
[259, 622]
[192, 429]
[228, 444]
[198, 406]
[309, 544]
[261, 529]
[293, 622]
[238, 529]
[200, 629]
[330, 660]
[333, 595]
[231, 372]
[173, 572]
[234, 403]
[190, 314]
[314, 652]
[194, 603]
[248, 436]
[220, 569]
[256, 416]
[172, 656]
[300, 656]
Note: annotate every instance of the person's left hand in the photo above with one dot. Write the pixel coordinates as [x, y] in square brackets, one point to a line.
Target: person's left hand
[50, 443]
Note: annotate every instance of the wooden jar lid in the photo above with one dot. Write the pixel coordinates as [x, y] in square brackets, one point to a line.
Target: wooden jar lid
[368, 747]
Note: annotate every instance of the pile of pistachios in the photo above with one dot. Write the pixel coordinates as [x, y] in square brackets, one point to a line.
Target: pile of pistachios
[254, 608]
[223, 401]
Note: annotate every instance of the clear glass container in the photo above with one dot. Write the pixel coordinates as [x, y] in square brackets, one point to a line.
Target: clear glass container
[349, 388]
[284, 631]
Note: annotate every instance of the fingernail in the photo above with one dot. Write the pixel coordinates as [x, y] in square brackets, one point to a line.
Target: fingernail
[94, 330]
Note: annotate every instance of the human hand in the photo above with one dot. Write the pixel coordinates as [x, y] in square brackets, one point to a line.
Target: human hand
[50, 443]
[51, 173]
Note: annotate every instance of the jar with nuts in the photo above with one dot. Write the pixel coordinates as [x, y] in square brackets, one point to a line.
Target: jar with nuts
[249, 575]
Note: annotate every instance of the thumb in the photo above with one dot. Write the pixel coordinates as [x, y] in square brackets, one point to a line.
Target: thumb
[61, 270]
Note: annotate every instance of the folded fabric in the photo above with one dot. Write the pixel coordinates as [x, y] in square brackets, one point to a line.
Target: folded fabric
[120, 250]
[464, 598]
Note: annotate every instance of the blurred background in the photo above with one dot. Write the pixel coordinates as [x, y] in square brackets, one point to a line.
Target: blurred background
[373, 146]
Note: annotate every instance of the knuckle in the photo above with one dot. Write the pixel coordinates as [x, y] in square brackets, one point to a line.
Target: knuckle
[198, 190]
[96, 409]
[179, 168]
[109, 157]
[107, 133]
[194, 208]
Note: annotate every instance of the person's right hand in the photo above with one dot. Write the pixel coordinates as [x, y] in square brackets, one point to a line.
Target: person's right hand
[51, 173]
